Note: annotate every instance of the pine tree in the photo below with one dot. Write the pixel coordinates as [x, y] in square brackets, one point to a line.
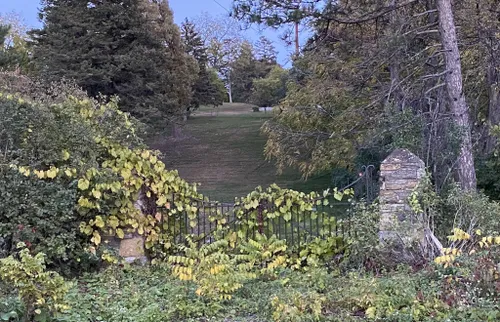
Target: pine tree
[243, 72]
[266, 55]
[129, 48]
[4, 57]
[205, 91]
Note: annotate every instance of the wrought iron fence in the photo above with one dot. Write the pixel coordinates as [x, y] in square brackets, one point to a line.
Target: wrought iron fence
[333, 219]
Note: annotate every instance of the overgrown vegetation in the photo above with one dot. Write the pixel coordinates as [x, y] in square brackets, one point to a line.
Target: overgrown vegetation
[76, 178]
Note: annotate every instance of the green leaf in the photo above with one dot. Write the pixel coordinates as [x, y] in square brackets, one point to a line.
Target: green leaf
[8, 316]
[338, 195]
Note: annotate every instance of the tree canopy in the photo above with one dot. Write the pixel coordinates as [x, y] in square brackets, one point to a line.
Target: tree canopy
[129, 48]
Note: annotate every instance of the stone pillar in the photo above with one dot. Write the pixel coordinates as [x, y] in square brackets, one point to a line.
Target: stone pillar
[400, 173]
[132, 249]
[132, 246]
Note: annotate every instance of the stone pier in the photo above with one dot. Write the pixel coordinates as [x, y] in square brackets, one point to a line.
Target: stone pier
[400, 173]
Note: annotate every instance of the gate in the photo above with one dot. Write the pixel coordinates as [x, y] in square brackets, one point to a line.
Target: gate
[325, 219]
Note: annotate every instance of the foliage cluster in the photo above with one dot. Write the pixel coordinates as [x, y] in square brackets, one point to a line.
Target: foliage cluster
[42, 292]
[80, 163]
[132, 50]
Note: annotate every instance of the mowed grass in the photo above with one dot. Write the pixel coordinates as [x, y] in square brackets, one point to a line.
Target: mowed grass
[222, 149]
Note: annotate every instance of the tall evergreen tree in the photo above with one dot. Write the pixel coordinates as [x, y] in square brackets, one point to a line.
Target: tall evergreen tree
[205, 90]
[243, 72]
[13, 50]
[129, 48]
[266, 55]
[4, 57]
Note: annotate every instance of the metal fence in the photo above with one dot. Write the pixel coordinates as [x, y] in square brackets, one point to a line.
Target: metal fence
[333, 219]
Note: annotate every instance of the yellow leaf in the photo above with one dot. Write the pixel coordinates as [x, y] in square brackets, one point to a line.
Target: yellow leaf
[161, 200]
[126, 174]
[145, 154]
[96, 193]
[83, 184]
[65, 155]
[52, 173]
[99, 222]
[68, 173]
[40, 174]
[96, 239]
[370, 312]
[120, 233]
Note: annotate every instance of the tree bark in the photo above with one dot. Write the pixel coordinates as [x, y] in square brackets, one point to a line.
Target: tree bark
[458, 105]
[229, 89]
[493, 79]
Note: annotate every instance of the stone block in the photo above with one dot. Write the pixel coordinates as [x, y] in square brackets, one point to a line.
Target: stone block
[132, 247]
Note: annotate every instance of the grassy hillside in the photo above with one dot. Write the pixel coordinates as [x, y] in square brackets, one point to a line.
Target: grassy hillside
[223, 150]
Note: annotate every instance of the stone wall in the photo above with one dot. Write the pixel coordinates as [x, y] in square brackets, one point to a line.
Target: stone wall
[400, 173]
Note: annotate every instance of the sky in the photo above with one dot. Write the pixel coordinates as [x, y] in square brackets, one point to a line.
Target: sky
[28, 10]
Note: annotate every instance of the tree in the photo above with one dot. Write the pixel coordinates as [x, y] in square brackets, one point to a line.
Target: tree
[270, 90]
[129, 48]
[4, 57]
[266, 56]
[206, 90]
[243, 72]
[265, 51]
[378, 61]
[458, 105]
[14, 53]
[223, 38]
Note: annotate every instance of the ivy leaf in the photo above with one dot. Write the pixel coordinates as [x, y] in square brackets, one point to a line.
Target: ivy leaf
[113, 222]
[99, 222]
[96, 193]
[338, 195]
[126, 174]
[83, 184]
[96, 239]
[40, 174]
[370, 312]
[120, 233]
[287, 216]
[52, 173]
[161, 201]
[65, 154]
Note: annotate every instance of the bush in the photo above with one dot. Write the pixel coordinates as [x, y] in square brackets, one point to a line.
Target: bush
[42, 292]
[37, 138]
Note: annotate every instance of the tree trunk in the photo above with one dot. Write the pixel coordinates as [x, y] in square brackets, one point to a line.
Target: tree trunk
[458, 105]
[493, 79]
[229, 89]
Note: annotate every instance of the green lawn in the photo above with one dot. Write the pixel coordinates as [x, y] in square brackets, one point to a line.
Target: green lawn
[222, 149]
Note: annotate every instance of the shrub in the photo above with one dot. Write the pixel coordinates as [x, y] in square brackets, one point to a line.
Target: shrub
[264, 255]
[216, 273]
[43, 140]
[41, 291]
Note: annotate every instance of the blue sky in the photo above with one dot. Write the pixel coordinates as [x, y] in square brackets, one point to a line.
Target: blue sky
[28, 10]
